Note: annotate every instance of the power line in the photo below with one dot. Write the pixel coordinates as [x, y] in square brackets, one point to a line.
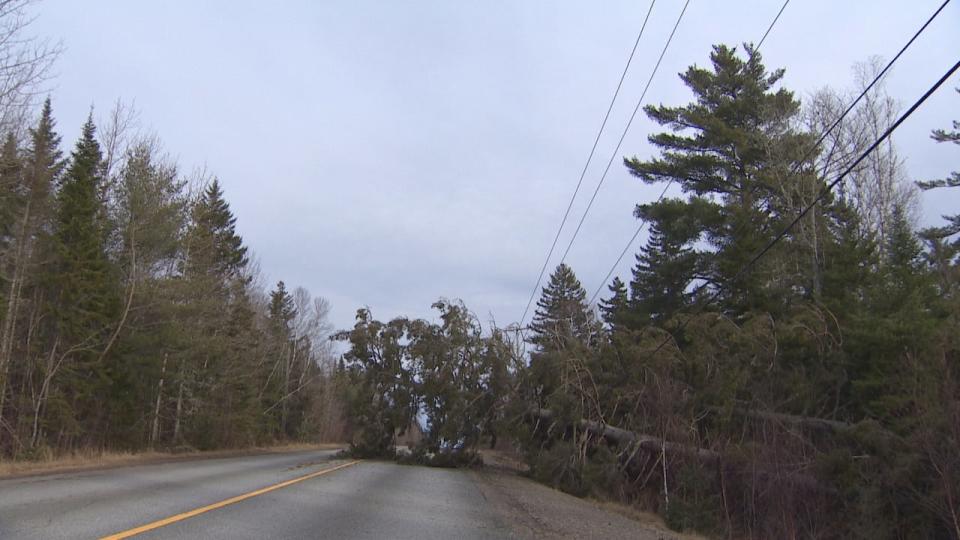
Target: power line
[820, 195]
[625, 249]
[623, 135]
[583, 173]
[772, 23]
[670, 183]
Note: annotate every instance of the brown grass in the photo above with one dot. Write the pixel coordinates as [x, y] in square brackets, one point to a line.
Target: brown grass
[89, 459]
[647, 518]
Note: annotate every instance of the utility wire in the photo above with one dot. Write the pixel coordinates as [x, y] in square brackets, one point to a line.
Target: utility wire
[623, 135]
[772, 23]
[643, 222]
[583, 173]
[821, 194]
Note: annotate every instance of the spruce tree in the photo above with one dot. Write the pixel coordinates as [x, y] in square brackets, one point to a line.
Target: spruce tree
[562, 315]
[898, 321]
[282, 348]
[565, 332]
[83, 290]
[613, 310]
[218, 324]
[281, 310]
[216, 244]
[84, 279]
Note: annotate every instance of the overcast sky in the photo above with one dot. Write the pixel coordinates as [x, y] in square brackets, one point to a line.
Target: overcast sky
[389, 153]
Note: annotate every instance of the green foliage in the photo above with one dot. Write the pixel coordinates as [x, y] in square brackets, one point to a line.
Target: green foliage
[732, 163]
[85, 297]
[381, 400]
[455, 369]
[130, 320]
[820, 385]
[447, 375]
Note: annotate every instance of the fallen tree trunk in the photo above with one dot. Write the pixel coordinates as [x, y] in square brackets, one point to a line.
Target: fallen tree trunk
[809, 422]
[705, 456]
[646, 442]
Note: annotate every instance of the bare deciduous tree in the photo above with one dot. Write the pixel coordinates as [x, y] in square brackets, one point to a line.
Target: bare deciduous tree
[26, 63]
[879, 184]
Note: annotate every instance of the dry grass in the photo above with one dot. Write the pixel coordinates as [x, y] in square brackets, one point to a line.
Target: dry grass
[647, 518]
[89, 459]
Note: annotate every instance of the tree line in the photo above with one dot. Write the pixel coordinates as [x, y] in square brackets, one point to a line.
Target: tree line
[132, 317]
[816, 395]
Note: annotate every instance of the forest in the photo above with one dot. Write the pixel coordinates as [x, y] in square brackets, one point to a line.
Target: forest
[783, 360]
[133, 316]
[815, 395]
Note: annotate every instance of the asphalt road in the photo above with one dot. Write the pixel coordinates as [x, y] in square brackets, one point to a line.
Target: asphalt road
[362, 500]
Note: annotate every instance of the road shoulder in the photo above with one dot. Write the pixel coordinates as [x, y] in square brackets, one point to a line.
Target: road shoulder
[100, 462]
[537, 511]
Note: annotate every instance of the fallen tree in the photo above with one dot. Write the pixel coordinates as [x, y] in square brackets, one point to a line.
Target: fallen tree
[659, 445]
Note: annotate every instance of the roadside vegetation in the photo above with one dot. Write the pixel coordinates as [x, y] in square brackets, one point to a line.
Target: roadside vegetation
[132, 316]
[817, 395]
[812, 390]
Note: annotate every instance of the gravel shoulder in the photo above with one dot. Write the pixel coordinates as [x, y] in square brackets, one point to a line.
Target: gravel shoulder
[534, 510]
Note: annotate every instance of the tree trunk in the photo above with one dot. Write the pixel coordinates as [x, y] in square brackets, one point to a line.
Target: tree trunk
[155, 430]
[176, 421]
[16, 287]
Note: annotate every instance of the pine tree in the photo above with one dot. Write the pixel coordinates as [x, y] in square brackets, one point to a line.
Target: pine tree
[945, 253]
[729, 150]
[381, 399]
[666, 266]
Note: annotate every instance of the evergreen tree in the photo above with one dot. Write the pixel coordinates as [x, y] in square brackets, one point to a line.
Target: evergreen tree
[666, 266]
[86, 301]
[217, 325]
[281, 310]
[562, 315]
[11, 196]
[613, 310]
[945, 253]
[282, 348]
[898, 321]
[42, 166]
[381, 398]
[565, 332]
[215, 242]
[729, 150]
[82, 287]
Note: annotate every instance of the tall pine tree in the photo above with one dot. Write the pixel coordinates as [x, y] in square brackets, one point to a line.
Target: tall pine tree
[729, 150]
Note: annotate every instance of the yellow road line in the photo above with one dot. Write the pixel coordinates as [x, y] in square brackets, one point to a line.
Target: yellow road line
[185, 515]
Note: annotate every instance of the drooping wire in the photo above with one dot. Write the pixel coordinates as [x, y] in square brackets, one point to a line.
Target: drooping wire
[806, 210]
[623, 136]
[586, 165]
[772, 23]
[643, 222]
